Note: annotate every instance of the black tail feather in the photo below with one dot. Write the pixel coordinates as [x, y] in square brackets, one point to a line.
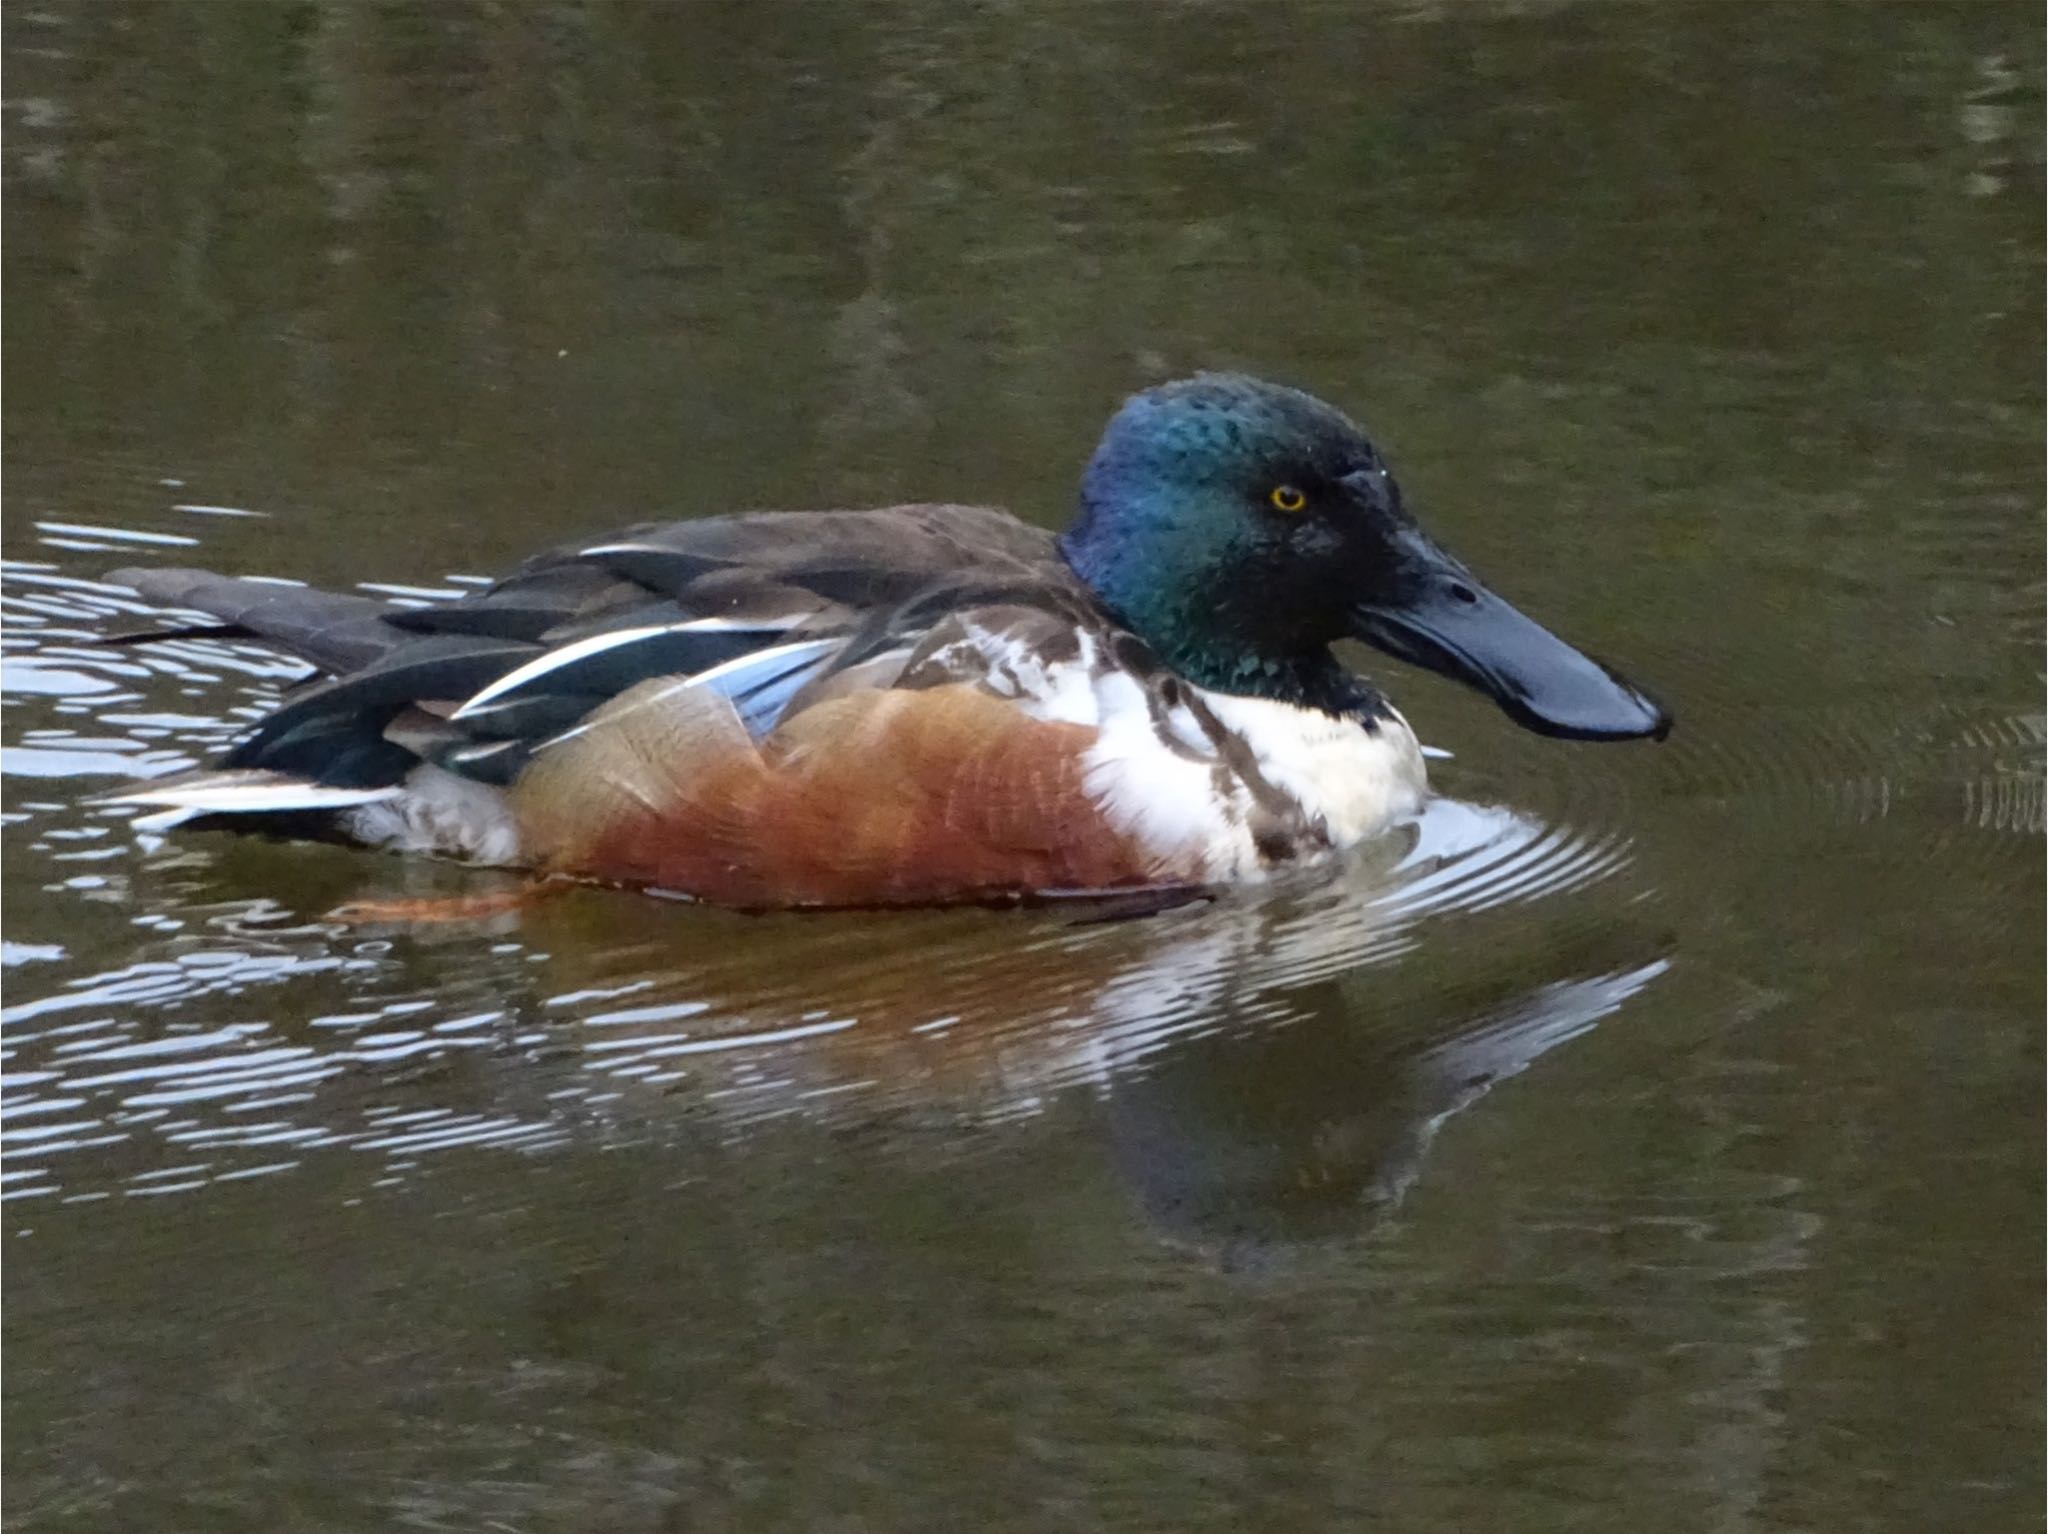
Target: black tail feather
[152, 633]
[332, 631]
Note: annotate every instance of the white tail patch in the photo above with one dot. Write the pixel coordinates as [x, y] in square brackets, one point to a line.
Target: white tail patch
[431, 811]
[247, 791]
[443, 813]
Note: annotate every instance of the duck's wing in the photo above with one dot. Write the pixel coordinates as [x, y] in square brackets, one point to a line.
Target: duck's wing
[754, 609]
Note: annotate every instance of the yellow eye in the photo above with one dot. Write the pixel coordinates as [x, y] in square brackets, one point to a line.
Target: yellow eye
[1287, 498]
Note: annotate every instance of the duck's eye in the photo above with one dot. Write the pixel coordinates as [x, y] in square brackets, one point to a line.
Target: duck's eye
[1287, 498]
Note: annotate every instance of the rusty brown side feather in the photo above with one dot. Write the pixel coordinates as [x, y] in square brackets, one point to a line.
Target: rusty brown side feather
[881, 797]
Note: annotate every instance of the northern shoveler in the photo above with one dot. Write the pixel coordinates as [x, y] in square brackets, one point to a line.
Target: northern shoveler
[915, 704]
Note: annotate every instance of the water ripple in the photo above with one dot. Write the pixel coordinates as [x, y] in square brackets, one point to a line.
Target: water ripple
[244, 1028]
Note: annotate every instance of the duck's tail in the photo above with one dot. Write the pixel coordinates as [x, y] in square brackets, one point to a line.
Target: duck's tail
[326, 629]
[332, 773]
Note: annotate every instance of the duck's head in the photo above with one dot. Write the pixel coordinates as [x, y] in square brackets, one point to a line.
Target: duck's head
[1240, 528]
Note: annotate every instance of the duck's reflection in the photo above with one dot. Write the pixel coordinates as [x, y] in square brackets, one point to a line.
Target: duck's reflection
[1263, 1140]
[1267, 1073]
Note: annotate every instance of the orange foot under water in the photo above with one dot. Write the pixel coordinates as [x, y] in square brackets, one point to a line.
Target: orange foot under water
[446, 910]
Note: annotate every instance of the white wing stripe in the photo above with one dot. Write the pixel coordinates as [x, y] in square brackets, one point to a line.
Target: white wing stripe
[597, 644]
[734, 676]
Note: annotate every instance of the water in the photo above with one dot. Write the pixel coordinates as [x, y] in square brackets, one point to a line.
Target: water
[1649, 1139]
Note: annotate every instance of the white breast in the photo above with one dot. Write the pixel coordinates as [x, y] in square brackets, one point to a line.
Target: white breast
[1169, 783]
[1353, 779]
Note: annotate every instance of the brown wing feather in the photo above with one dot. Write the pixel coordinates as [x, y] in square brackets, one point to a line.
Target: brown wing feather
[875, 798]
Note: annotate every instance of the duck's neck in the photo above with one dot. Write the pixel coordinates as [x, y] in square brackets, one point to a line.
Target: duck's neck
[1190, 626]
[1221, 666]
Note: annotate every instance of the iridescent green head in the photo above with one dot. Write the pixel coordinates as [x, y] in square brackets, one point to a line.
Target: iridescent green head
[1240, 528]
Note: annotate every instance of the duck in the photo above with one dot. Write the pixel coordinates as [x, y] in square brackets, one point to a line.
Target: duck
[910, 705]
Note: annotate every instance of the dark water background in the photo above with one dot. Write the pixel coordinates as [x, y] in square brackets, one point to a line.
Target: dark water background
[1651, 1139]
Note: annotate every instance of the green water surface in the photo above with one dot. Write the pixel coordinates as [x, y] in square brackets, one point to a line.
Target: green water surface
[1649, 1139]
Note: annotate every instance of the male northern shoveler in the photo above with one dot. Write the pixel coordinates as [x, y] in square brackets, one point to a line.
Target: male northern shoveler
[916, 704]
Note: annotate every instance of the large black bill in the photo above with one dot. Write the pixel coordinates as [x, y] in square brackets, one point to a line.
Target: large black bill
[1436, 614]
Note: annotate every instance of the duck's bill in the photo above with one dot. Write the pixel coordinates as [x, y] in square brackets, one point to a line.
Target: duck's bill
[1434, 613]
